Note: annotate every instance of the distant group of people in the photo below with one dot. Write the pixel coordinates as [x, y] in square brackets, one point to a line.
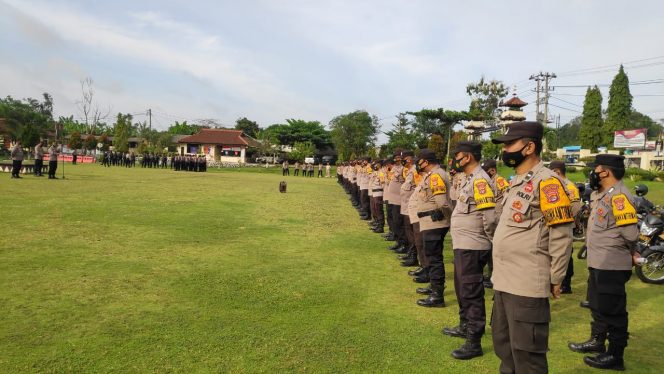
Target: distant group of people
[306, 168]
[189, 163]
[152, 160]
[17, 156]
[111, 158]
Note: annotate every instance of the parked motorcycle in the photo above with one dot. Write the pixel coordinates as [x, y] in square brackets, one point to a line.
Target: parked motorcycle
[651, 248]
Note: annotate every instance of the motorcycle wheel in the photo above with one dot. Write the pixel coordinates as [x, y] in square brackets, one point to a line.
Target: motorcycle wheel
[583, 253]
[579, 234]
[653, 270]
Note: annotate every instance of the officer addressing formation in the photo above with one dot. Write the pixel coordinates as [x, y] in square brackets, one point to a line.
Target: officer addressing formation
[522, 227]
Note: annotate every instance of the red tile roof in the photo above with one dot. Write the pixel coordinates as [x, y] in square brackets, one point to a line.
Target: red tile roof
[220, 136]
[515, 102]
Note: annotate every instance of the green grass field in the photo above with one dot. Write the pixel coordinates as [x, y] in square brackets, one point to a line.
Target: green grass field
[142, 270]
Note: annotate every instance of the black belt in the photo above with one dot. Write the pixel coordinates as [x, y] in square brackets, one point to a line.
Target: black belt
[425, 214]
[378, 190]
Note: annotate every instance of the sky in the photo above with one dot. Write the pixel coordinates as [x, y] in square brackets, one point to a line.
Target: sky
[315, 59]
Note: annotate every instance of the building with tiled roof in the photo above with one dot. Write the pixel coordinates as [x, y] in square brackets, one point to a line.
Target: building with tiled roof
[218, 144]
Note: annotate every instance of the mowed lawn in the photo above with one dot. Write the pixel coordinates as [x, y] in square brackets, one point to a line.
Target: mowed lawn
[142, 270]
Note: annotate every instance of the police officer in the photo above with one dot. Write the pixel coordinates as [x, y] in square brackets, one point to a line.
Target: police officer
[376, 186]
[434, 209]
[17, 159]
[284, 168]
[559, 168]
[52, 160]
[530, 252]
[473, 224]
[363, 182]
[405, 239]
[612, 239]
[39, 159]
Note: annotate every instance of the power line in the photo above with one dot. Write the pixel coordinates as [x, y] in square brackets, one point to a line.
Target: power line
[609, 66]
[565, 101]
[560, 107]
[635, 83]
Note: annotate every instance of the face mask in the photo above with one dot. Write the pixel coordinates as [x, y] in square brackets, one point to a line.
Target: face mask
[514, 159]
[375, 167]
[456, 165]
[593, 180]
[419, 167]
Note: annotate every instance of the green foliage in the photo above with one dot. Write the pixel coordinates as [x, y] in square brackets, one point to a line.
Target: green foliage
[437, 144]
[639, 120]
[485, 97]
[402, 136]
[75, 141]
[590, 131]
[27, 120]
[103, 139]
[637, 174]
[353, 133]
[121, 132]
[490, 150]
[165, 140]
[302, 150]
[297, 130]
[184, 128]
[247, 126]
[620, 107]
[569, 133]
[90, 142]
[437, 121]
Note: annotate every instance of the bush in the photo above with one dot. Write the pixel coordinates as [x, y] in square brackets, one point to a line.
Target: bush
[571, 169]
[636, 174]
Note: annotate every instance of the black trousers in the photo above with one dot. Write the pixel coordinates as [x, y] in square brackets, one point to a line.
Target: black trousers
[39, 164]
[285, 172]
[608, 306]
[419, 244]
[388, 215]
[364, 202]
[520, 332]
[398, 225]
[433, 250]
[469, 289]
[52, 167]
[296, 172]
[16, 167]
[377, 211]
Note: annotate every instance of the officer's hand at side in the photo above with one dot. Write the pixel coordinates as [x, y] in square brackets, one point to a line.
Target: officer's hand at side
[555, 291]
[636, 259]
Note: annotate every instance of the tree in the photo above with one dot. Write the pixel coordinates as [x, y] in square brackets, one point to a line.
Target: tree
[441, 122]
[490, 150]
[639, 120]
[591, 128]
[250, 128]
[302, 150]
[619, 109]
[568, 134]
[92, 115]
[401, 137]
[27, 120]
[75, 141]
[354, 133]
[164, 141]
[121, 132]
[437, 144]
[183, 128]
[90, 142]
[103, 139]
[485, 98]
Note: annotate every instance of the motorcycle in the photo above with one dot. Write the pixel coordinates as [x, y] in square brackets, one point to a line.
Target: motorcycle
[651, 248]
[581, 219]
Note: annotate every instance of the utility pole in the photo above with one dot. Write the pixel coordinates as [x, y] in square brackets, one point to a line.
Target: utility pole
[546, 77]
[150, 118]
[558, 131]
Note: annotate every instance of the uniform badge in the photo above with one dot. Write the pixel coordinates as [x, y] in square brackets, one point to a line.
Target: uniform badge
[481, 187]
[600, 211]
[551, 193]
[620, 203]
[528, 187]
[517, 217]
[517, 205]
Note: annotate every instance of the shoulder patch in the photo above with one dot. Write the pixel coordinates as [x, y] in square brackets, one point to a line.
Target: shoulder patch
[554, 202]
[483, 194]
[404, 173]
[501, 184]
[623, 210]
[381, 177]
[417, 178]
[573, 192]
[437, 184]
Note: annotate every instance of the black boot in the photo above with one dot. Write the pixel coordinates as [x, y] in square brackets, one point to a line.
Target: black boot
[416, 272]
[390, 237]
[379, 229]
[401, 250]
[585, 304]
[605, 361]
[594, 344]
[470, 349]
[410, 261]
[422, 278]
[395, 246]
[424, 290]
[459, 331]
[435, 299]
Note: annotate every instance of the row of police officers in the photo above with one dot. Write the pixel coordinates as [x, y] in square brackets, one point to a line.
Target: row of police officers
[16, 153]
[524, 227]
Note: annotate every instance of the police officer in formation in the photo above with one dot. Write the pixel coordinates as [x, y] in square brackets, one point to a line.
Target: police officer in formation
[53, 160]
[189, 163]
[39, 159]
[525, 226]
[16, 153]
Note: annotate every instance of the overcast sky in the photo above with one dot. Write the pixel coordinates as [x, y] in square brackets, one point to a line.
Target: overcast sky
[315, 59]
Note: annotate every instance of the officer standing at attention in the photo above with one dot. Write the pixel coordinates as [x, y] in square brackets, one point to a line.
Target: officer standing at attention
[395, 177]
[612, 239]
[52, 160]
[559, 168]
[39, 159]
[284, 168]
[17, 159]
[473, 224]
[320, 170]
[327, 170]
[434, 209]
[502, 185]
[530, 252]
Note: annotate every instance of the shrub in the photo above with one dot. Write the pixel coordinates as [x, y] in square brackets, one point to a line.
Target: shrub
[636, 174]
